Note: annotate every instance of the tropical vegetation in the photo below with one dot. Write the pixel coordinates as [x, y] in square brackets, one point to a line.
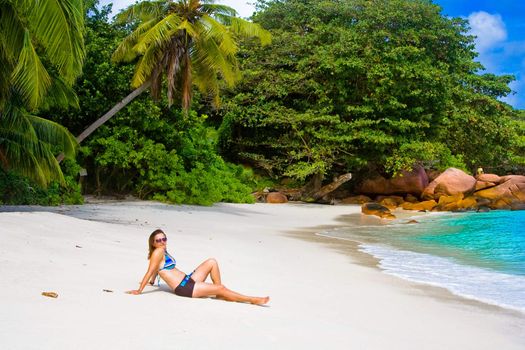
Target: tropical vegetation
[361, 86]
[188, 42]
[369, 87]
[41, 55]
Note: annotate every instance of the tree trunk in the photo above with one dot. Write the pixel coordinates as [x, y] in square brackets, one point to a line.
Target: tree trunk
[332, 186]
[112, 111]
[116, 108]
[314, 185]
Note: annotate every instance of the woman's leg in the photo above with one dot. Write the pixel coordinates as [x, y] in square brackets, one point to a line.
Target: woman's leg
[209, 267]
[203, 289]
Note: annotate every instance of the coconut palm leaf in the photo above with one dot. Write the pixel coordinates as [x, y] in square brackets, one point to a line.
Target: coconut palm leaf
[221, 34]
[125, 52]
[160, 34]
[143, 11]
[209, 53]
[37, 37]
[33, 28]
[218, 10]
[59, 94]
[193, 42]
[146, 65]
[11, 33]
[58, 26]
[247, 29]
[5, 79]
[30, 78]
[28, 144]
[53, 134]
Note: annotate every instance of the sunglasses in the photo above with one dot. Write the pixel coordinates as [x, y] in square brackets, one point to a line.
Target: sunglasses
[161, 240]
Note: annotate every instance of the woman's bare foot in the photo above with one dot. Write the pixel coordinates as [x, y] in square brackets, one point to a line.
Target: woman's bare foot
[260, 301]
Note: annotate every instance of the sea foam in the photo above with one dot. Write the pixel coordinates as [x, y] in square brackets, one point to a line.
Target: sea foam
[485, 285]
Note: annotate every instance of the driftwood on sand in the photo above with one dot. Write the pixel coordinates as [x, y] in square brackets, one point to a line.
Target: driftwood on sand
[311, 192]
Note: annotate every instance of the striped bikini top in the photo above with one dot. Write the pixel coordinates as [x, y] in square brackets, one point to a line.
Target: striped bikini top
[169, 263]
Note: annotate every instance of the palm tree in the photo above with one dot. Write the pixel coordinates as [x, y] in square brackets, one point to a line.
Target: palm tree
[189, 42]
[41, 54]
[28, 144]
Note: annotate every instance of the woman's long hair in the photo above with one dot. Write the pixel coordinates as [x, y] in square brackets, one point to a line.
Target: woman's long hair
[151, 240]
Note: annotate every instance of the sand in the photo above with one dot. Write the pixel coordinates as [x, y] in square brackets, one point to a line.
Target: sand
[323, 294]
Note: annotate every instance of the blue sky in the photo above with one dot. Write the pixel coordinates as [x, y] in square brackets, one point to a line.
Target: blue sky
[498, 24]
[500, 28]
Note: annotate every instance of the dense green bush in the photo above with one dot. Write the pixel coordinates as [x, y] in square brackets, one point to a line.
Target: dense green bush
[16, 189]
[156, 153]
[147, 149]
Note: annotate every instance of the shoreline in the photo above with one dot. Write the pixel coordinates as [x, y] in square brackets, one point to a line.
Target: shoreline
[327, 294]
[360, 245]
[346, 246]
[352, 248]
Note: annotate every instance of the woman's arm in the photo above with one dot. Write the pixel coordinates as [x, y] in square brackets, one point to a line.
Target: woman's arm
[153, 268]
[152, 280]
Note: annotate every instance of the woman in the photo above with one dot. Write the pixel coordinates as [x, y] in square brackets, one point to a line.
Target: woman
[192, 285]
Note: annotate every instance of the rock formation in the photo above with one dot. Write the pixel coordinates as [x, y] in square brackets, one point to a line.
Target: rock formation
[452, 190]
[413, 182]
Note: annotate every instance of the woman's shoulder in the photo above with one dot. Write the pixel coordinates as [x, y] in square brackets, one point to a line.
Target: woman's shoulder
[158, 252]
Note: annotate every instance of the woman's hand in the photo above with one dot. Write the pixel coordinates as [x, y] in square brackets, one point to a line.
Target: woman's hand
[134, 292]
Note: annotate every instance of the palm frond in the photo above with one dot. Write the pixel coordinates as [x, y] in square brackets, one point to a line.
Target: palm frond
[54, 134]
[208, 53]
[220, 34]
[27, 144]
[16, 156]
[58, 25]
[125, 52]
[145, 66]
[5, 77]
[158, 35]
[142, 11]
[207, 82]
[30, 78]
[248, 29]
[218, 10]
[189, 28]
[59, 95]
[11, 33]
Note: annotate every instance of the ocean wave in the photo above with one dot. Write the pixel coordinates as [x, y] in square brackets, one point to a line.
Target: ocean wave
[485, 285]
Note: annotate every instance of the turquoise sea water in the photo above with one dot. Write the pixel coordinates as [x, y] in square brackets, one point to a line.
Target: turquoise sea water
[475, 255]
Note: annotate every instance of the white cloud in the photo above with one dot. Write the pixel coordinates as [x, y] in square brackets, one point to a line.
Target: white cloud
[489, 29]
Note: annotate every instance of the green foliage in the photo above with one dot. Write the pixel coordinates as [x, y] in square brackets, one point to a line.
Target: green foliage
[128, 157]
[516, 164]
[16, 189]
[358, 84]
[41, 54]
[147, 149]
[431, 155]
[39, 41]
[206, 185]
[102, 83]
[28, 145]
[187, 42]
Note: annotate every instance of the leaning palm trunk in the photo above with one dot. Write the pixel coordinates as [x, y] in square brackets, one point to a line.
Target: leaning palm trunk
[112, 111]
[116, 108]
[191, 42]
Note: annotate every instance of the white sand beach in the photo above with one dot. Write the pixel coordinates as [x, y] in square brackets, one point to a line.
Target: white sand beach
[322, 294]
